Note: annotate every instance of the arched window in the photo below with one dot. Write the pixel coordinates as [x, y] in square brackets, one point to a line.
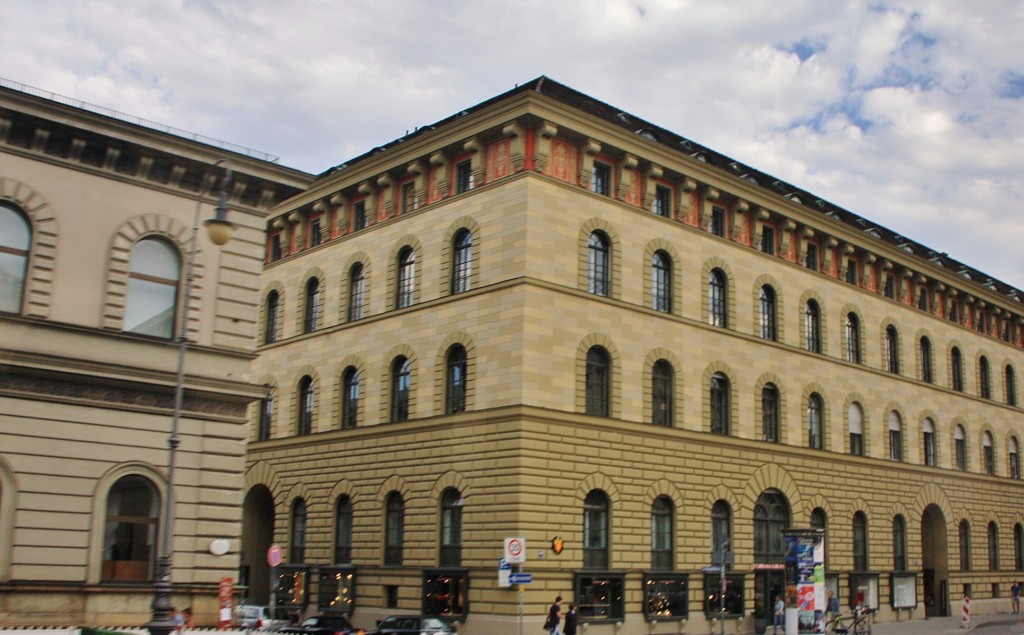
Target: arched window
[899, 544]
[895, 436]
[451, 528]
[964, 536]
[769, 322]
[993, 546]
[401, 385]
[266, 417]
[959, 448]
[297, 550]
[719, 397]
[988, 453]
[394, 529]
[152, 294]
[956, 372]
[721, 527]
[455, 380]
[15, 242]
[1011, 385]
[307, 403]
[350, 389]
[595, 530]
[1013, 460]
[599, 264]
[984, 378]
[129, 541]
[771, 517]
[860, 542]
[662, 534]
[892, 350]
[718, 300]
[855, 417]
[598, 382]
[1018, 547]
[852, 338]
[343, 530]
[661, 282]
[812, 327]
[311, 317]
[770, 414]
[356, 292]
[662, 393]
[273, 318]
[462, 261]
[928, 442]
[926, 360]
[815, 427]
[405, 282]
[819, 520]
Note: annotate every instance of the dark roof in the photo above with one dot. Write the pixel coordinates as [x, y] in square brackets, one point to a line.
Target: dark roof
[618, 117]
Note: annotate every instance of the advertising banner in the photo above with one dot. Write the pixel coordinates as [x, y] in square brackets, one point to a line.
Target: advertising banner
[805, 580]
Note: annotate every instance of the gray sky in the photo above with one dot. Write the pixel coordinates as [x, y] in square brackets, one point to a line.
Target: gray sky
[909, 113]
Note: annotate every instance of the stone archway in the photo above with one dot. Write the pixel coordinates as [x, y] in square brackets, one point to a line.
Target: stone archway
[934, 561]
[257, 536]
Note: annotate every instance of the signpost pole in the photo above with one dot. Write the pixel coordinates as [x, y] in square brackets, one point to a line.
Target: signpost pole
[522, 600]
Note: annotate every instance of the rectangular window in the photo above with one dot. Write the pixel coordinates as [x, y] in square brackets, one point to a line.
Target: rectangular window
[600, 179]
[717, 221]
[663, 201]
[315, 232]
[600, 598]
[890, 287]
[713, 602]
[929, 449]
[666, 597]
[276, 252]
[337, 589]
[811, 260]
[359, 216]
[463, 177]
[768, 240]
[856, 444]
[895, 445]
[266, 415]
[851, 272]
[444, 594]
[408, 197]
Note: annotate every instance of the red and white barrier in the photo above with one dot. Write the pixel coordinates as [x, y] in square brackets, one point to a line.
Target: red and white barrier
[965, 613]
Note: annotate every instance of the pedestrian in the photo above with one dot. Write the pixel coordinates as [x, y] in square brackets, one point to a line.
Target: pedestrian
[554, 617]
[779, 616]
[177, 619]
[190, 624]
[1015, 597]
[833, 605]
[570, 620]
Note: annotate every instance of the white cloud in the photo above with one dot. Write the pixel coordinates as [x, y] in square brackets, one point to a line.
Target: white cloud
[891, 109]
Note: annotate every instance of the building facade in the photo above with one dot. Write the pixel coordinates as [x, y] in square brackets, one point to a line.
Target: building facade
[547, 318]
[96, 222]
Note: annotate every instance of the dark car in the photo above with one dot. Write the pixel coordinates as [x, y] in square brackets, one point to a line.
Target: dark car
[323, 625]
[411, 625]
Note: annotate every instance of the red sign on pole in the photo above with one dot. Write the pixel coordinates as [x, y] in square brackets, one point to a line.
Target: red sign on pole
[274, 555]
[227, 589]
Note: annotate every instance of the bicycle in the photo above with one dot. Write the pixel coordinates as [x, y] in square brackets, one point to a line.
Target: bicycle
[859, 622]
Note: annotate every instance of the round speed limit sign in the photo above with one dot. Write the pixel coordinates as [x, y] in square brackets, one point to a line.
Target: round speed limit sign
[515, 550]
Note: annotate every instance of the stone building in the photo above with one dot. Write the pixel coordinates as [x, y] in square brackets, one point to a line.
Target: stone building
[96, 218]
[546, 318]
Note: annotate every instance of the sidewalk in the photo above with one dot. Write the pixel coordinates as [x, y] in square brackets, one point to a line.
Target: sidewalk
[992, 624]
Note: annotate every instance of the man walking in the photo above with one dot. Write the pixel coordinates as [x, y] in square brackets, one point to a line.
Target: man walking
[554, 617]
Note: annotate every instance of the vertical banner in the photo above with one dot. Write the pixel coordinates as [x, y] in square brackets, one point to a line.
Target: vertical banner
[805, 580]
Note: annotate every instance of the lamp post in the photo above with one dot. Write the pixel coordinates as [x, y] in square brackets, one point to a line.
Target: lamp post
[219, 230]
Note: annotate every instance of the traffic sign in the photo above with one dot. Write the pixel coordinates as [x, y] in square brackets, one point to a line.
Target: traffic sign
[274, 555]
[515, 550]
[520, 578]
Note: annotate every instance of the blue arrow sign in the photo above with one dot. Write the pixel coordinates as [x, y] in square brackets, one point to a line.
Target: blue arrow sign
[520, 578]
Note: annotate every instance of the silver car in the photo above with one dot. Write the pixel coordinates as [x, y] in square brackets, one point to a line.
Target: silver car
[260, 617]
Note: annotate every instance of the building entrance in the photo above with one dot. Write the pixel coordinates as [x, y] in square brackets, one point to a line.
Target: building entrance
[934, 562]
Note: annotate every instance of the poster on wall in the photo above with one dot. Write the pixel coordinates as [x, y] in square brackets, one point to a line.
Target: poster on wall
[805, 579]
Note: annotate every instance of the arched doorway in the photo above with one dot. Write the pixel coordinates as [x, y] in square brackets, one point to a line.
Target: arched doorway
[257, 536]
[771, 518]
[934, 562]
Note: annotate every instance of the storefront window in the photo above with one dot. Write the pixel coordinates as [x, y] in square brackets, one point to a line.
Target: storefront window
[600, 597]
[337, 589]
[734, 600]
[666, 597]
[444, 593]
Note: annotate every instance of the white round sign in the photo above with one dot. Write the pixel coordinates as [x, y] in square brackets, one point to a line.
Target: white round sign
[515, 550]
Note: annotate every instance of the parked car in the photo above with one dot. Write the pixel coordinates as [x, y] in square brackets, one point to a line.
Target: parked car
[260, 617]
[323, 625]
[411, 625]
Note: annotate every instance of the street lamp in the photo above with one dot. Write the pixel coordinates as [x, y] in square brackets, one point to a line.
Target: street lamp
[219, 230]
